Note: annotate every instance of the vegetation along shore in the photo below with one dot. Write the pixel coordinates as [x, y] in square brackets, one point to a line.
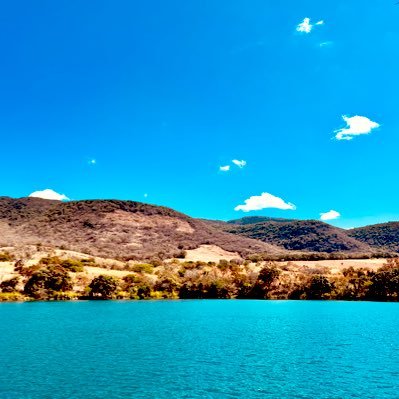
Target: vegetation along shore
[65, 275]
[111, 249]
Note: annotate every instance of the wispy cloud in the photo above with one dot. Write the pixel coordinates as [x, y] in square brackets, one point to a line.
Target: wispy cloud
[326, 44]
[92, 162]
[263, 201]
[355, 126]
[225, 168]
[49, 194]
[238, 163]
[306, 26]
[330, 215]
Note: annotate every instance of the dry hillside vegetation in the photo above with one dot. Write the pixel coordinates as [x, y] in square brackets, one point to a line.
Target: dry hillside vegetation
[37, 273]
[116, 229]
[385, 235]
[315, 236]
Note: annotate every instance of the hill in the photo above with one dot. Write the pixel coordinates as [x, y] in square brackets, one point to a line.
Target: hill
[385, 235]
[299, 235]
[258, 219]
[113, 228]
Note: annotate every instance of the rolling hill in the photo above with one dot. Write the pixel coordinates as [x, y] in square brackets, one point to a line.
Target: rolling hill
[113, 228]
[385, 235]
[305, 235]
[133, 230]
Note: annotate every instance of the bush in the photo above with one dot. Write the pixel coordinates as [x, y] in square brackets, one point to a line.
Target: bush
[142, 268]
[6, 257]
[9, 285]
[180, 255]
[72, 265]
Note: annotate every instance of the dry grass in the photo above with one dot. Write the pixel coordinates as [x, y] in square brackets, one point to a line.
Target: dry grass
[210, 253]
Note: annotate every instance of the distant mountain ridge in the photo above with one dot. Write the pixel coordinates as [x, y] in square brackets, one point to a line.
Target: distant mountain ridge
[258, 219]
[134, 230]
[316, 236]
[384, 235]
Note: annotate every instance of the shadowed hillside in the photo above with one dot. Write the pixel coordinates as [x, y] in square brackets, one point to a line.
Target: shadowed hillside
[298, 235]
[118, 229]
[385, 235]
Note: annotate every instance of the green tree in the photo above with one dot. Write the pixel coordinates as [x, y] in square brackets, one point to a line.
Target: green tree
[264, 283]
[384, 285]
[43, 283]
[104, 287]
[319, 287]
[138, 286]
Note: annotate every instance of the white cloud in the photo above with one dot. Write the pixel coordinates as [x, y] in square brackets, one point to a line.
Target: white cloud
[240, 164]
[224, 168]
[145, 195]
[330, 215]
[306, 27]
[49, 194]
[355, 126]
[92, 162]
[326, 44]
[265, 200]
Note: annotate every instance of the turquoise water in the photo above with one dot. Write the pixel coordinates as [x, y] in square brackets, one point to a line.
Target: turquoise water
[199, 349]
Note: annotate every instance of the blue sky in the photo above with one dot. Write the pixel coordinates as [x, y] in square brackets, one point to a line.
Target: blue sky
[162, 94]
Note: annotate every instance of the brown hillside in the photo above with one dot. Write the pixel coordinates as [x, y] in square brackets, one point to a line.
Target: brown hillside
[118, 229]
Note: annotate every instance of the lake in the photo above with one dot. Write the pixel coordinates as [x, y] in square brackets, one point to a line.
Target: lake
[199, 349]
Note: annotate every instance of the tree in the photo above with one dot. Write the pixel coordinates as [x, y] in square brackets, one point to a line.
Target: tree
[103, 287]
[266, 278]
[138, 286]
[384, 285]
[319, 287]
[43, 283]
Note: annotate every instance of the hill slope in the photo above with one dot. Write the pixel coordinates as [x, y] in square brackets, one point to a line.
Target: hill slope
[112, 228]
[385, 235]
[297, 235]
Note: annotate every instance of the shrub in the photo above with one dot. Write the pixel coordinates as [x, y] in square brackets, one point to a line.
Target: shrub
[9, 285]
[180, 255]
[142, 268]
[72, 265]
[6, 257]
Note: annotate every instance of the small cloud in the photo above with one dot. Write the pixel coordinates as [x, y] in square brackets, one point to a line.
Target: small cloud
[355, 126]
[225, 168]
[263, 201]
[240, 164]
[330, 215]
[92, 162]
[145, 195]
[49, 195]
[306, 27]
[326, 44]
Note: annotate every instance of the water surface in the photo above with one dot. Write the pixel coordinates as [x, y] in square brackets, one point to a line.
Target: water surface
[199, 349]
